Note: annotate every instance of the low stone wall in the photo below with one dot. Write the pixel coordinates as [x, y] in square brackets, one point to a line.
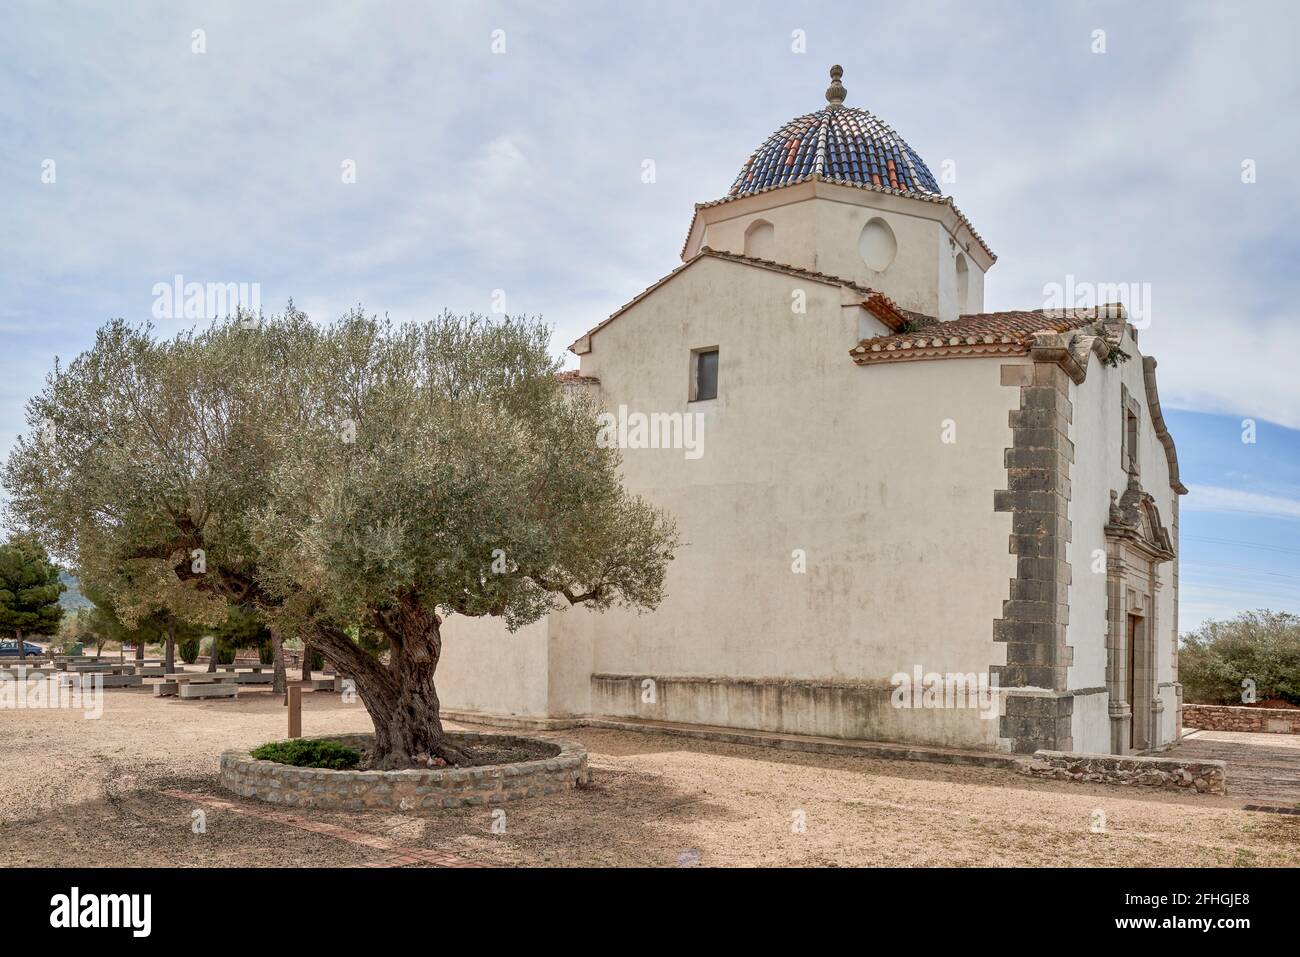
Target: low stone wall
[1223, 717]
[1205, 777]
[407, 790]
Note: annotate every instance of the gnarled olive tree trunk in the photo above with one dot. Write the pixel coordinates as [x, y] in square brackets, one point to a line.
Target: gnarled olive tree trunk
[400, 696]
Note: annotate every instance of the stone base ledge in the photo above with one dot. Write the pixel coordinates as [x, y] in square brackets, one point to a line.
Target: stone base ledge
[517, 721]
[1226, 717]
[1203, 777]
[410, 790]
[760, 739]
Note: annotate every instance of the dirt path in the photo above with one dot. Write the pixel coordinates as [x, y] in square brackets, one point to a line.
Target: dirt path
[78, 792]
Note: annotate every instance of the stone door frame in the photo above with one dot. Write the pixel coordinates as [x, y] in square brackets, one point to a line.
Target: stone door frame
[1136, 545]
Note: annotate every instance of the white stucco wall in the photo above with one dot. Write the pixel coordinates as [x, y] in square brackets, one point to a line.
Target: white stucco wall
[1169, 728]
[1097, 434]
[907, 563]
[1154, 471]
[485, 668]
[1090, 724]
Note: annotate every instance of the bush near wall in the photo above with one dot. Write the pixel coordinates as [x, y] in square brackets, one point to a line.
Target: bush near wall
[1259, 646]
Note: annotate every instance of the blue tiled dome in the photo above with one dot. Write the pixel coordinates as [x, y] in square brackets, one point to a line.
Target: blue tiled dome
[838, 143]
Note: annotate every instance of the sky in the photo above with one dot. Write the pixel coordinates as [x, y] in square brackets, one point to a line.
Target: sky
[415, 156]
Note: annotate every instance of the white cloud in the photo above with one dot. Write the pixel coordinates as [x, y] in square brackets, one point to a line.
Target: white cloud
[522, 171]
[1212, 498]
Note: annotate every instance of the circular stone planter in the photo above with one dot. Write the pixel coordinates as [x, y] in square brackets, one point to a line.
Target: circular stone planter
[411, 790]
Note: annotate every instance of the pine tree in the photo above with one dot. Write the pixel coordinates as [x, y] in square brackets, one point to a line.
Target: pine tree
[29, 591]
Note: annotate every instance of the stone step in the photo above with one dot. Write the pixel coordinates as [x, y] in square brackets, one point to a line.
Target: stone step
[103, 680]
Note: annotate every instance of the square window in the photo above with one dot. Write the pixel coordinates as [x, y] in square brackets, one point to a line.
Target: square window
[705, 375]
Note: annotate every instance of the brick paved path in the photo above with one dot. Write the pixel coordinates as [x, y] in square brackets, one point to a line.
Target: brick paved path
[396, 855]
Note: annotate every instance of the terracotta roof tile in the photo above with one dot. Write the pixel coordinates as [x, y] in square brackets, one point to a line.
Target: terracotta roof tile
[1006, 333]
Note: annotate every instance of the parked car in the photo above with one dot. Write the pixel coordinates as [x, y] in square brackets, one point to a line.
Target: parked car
[9, 649]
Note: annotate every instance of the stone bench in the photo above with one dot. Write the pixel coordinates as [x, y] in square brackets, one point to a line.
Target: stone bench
[212, 689]
[254, 677]
[331, 683]
[73, 679]
[197, 685]
[62, 661]
[30, 674]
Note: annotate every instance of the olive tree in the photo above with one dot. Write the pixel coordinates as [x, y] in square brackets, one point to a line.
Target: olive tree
[343, 480]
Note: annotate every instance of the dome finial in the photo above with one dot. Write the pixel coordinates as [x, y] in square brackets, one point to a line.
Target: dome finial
[835, 93]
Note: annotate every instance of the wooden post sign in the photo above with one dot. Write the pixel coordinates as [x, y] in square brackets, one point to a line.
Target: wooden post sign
[295, 711]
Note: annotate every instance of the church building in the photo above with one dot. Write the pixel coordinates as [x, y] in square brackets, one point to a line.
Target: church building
[879, 487]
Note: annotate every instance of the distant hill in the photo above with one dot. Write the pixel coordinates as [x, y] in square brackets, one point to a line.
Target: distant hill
[72, 599]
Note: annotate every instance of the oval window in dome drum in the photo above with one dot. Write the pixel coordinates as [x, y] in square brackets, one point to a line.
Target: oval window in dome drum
[877, 245]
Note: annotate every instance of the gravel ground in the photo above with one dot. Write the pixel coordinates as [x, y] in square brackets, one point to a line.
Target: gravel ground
[82, 793]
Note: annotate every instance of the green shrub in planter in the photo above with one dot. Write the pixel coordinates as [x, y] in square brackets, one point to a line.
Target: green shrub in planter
[306, 753]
